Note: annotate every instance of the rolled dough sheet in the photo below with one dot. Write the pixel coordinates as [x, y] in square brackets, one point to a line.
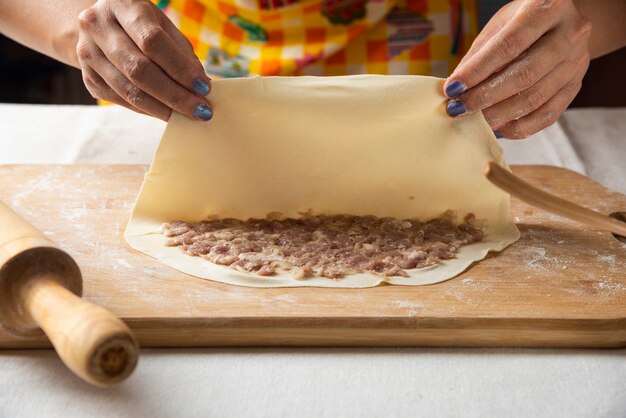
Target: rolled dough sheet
[360, 145]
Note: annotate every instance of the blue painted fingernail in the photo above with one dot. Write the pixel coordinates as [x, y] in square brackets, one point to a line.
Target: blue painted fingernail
[200, 86]
[498, 134]
[456, 108]
[203, 112]
[455, 88]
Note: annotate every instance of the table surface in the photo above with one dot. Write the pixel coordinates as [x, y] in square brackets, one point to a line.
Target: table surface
[323, 381]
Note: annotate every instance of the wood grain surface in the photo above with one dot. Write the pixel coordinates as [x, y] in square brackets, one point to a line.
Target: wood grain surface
[561, 285]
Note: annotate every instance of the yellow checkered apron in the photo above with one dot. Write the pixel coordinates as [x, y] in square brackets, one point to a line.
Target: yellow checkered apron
[235, 38]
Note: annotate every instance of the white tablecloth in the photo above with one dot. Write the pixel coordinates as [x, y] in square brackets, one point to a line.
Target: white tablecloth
[315, 382]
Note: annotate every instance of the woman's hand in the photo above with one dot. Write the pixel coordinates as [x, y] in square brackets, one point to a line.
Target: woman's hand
[524, 68]
[131, 54]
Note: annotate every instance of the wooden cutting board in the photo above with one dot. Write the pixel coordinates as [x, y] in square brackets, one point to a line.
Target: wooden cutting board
[561, 285]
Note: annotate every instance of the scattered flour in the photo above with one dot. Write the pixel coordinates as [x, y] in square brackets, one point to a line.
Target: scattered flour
[412, 308]
[124, 263]
[408, 304]
[607, 258]
[534, 257]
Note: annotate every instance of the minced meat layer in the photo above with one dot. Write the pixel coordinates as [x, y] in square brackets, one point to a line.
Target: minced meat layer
[325, 246]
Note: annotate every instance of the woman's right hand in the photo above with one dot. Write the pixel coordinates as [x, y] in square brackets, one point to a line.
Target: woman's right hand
[131, 54]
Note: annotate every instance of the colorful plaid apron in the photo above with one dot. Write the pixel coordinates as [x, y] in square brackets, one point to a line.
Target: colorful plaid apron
[235, 38]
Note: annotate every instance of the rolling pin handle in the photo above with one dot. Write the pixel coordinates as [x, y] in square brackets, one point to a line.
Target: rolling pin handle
[40, 288]
[90, 340]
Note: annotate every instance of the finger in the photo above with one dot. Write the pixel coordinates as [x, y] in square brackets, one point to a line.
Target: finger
[519, 75]
[185, 45]
[483, 37]
[527, 25]
[178, 37]
[543, 117]
[96, 86]
[143, 25]
[454, 88]
[150, 78]
[126, 89]
[100, 90]
[520, 105]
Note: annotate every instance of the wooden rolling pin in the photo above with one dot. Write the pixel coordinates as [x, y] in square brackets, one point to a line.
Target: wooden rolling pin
[40, 288]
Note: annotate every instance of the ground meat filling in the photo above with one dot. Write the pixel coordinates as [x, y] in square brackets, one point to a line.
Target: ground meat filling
[325, 246]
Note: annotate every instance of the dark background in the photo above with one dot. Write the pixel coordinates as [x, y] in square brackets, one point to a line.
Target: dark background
[29, 77]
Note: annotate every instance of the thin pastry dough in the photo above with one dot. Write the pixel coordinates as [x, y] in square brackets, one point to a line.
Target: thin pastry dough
[360, 145]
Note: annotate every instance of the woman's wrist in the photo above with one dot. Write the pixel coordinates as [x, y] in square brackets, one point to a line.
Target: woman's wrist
[64, 44]
[608, 18]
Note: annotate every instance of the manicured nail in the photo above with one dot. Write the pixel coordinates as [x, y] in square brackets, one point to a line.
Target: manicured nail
[498, 134]
[200, 86]
[455, 88]
[455, 108]
[203, 112]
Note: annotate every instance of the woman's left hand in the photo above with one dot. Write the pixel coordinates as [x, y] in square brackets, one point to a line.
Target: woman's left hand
[524, 68]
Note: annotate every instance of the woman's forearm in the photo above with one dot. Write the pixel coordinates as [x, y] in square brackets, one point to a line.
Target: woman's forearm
[608, 18]
[49, 27]
[128, 51]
